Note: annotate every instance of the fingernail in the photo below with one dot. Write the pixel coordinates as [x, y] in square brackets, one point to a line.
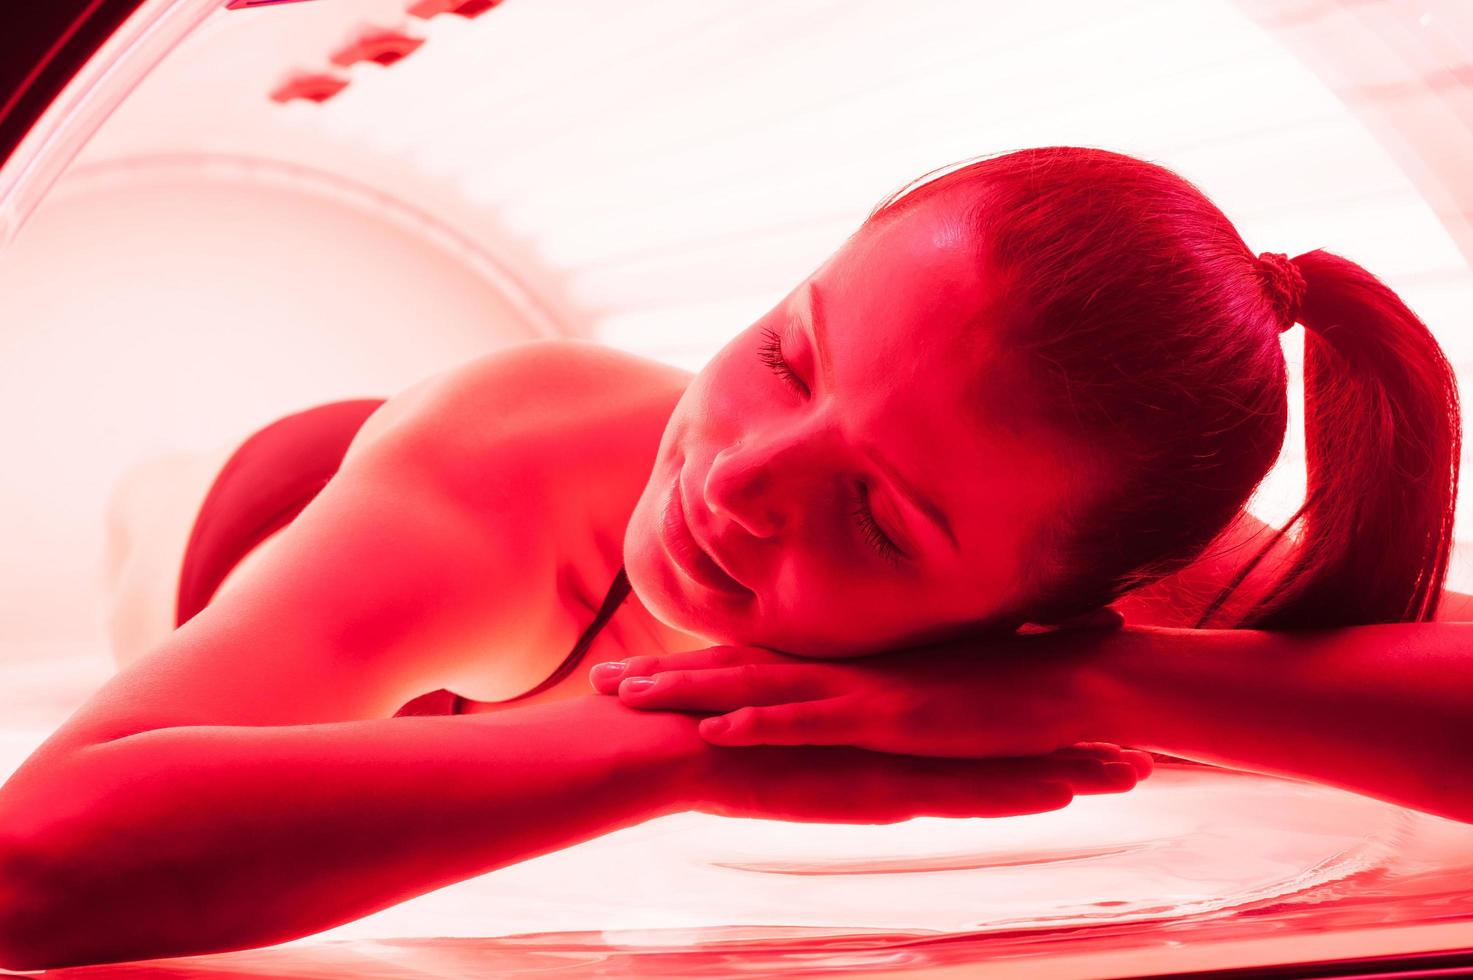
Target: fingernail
[714, 726]
[637, 684]
[608, 671]
[1141, 762]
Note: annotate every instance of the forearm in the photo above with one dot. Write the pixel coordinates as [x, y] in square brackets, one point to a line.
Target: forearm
[1383, 710]
[201, 839]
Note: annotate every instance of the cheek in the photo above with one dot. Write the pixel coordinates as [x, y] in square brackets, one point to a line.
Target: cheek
[734, 383]
[641, 543]
[827, 608]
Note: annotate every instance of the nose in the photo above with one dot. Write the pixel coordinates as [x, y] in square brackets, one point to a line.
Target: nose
[757, 483]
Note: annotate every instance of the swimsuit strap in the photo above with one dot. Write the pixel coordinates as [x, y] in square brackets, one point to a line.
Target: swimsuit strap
[615, 597]
[263, 486]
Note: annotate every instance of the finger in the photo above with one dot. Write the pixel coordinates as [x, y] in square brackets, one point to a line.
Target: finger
[1105, 617]
[982, 788]
[877, 785]
[605, 677]
[827, 721]
[1080, 770]
[1140, 760]
[1091, 777]
[985, 788]
[1011, 799]
[724, 688]
[1104, 751]
[1107, 777]
[849, 785]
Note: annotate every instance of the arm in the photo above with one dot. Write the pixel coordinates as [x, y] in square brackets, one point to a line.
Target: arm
[1380, 710]
[394, 581]
[1376, 710]
[1383, 710]
[203, 839]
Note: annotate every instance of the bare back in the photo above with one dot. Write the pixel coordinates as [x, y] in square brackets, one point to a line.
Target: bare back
[574, 438]
[474, 525]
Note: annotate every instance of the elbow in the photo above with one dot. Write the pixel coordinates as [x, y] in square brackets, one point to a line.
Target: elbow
[50, 914]
[66, 902]
[50, 920]
[31, 935]
[47, 923]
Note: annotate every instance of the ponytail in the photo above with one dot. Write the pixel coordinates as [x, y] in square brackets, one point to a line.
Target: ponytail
[1149, 334]
[1383, 437]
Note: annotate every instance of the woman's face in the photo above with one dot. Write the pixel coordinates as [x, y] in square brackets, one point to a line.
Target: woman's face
[837, 460]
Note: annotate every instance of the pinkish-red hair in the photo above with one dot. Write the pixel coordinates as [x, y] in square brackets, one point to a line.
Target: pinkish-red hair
[1146, 328]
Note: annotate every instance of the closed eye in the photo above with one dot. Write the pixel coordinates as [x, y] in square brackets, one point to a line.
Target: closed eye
[877, 538]
[771, 353]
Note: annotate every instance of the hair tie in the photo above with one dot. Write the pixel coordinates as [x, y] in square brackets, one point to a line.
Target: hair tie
[1285, 285]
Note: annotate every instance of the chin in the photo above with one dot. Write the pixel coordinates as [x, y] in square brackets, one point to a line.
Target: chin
[652, 578]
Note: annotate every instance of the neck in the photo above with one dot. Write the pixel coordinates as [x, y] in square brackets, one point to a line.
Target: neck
[639, 629]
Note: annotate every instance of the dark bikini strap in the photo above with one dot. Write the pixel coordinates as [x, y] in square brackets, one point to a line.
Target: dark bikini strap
[615, 597]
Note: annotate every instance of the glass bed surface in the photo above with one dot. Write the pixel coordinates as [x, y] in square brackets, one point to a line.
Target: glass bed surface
[1197, 867]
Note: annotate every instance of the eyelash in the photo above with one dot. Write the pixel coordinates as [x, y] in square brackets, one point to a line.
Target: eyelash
[866, 519]
[771, 354]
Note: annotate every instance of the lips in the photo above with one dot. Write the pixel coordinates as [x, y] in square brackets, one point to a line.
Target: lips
[686, 552]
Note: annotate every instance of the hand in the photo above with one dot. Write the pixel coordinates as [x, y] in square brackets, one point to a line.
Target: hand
[1005, 696]
[847, 785]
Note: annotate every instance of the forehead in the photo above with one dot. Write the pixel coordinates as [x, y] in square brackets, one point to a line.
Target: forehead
[923, 378]
[910, 304]
[923, 269]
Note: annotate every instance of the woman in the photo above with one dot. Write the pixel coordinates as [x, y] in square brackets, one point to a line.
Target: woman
[1015, 395]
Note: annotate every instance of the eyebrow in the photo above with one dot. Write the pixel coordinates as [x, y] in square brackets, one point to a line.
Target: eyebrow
[821, 342]
[820, 321]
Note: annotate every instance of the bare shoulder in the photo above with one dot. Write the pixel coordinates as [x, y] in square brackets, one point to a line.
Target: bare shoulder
[528, 374]
[541, 397]
[429, 560]
[550, 443]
